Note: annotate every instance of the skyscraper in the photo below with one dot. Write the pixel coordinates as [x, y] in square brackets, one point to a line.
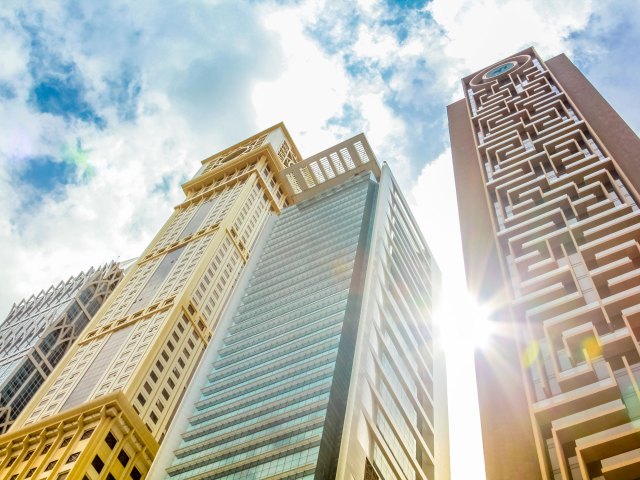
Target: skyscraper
[107, 407]
[327, 368]
[40, 329]
[547, 179]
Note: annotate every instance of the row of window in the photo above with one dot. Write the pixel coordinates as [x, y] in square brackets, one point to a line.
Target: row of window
[220, 205]
[179, 363]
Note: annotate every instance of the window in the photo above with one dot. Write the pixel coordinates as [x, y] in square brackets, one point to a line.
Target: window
[147, 387]
[123, 458]
[165, 394]
[159, 366]
[141, 399]
[110, 477]
[73, 457]
[97, 463]
[50, 466]
[65, 442]
[45, 449]
[11, 461]
[153, 417]
[29, 473]
[27, 456]
[111, 440]
[86, 434]
[153, 376]
[135, 474]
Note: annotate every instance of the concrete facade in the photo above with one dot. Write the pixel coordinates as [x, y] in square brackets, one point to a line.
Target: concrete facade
[546, 177]
[106, 407]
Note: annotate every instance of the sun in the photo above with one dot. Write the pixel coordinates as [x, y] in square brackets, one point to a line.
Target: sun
[483, 328]
[463, 323]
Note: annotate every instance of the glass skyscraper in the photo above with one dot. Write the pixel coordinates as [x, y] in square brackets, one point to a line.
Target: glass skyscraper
[327, 366]
[297, 295]
[264, 408]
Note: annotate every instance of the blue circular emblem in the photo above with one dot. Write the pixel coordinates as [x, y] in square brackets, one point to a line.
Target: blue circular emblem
[499, 70]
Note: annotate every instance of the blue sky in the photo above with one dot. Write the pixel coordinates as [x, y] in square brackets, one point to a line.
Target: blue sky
[93, 95]
[105, 107]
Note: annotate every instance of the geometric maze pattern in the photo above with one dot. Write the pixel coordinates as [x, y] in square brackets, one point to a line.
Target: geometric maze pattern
[568, 229]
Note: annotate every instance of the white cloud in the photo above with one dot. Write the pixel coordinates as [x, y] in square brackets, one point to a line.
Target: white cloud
[195, 76]
[375, 44]
[369, 7]
[434, 203]
[12, 56]
[482, 32]
[311, 87]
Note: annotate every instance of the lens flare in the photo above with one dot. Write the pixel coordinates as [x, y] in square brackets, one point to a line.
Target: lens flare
[483, 327]
[531, 353]
[591, 348]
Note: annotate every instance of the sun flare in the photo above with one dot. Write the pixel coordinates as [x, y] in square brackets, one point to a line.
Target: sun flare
[464, 323]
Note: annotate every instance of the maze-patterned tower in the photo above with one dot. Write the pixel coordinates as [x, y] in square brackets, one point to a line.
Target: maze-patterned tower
[547, 176]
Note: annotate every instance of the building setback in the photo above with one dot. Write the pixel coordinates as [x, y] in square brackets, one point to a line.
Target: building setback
[547, 179]
[40, 329]
[326, 369]
[108, 407]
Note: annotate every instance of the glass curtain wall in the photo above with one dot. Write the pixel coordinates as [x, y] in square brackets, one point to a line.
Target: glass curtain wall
[274, 402]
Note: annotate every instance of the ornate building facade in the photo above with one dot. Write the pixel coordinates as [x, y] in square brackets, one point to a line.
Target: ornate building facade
[547, 178]
[40, 329]
[107, 406]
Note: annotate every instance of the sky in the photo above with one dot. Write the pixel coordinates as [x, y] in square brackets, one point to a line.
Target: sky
[106, 107]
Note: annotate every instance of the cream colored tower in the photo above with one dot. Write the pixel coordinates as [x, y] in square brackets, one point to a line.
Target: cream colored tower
[105, 408]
